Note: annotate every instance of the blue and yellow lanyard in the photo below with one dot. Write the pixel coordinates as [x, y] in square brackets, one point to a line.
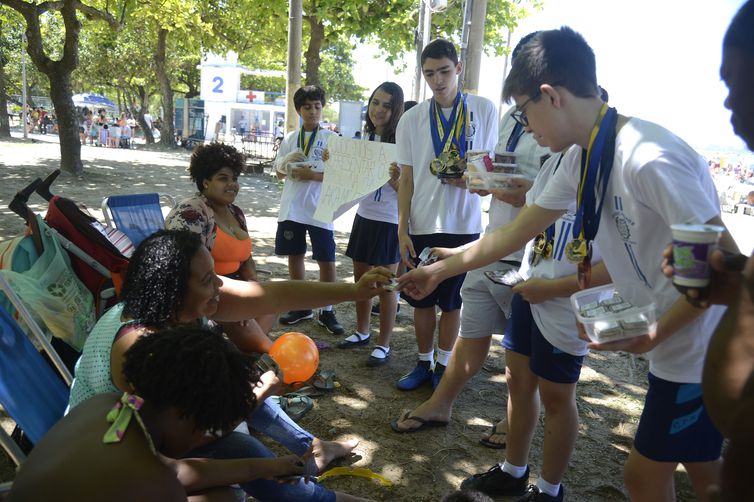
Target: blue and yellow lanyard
[441, 128]
[596, 166]
[304, 145]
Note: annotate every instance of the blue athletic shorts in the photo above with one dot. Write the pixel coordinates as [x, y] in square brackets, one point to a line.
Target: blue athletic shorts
[290, 240]
[373, 242]
[674, 425]
[448, 293]
[522, 336]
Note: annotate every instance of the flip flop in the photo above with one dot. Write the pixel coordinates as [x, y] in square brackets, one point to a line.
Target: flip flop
[491, 444]
[324, 380]
[423, 423]
[295, 405]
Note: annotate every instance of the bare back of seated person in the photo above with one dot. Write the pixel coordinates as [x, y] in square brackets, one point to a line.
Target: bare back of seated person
[91, 469]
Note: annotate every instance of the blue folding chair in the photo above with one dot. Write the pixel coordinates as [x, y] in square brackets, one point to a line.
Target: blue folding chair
[33, 395]
[137, 215]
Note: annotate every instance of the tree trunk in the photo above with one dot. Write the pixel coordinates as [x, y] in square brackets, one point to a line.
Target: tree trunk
[4, 123]
[59, 74]
[139, 112]
[68, 123]
[167, 133]
[316, 41]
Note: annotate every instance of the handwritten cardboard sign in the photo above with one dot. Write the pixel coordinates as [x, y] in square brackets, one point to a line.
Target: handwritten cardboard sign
[354, 170]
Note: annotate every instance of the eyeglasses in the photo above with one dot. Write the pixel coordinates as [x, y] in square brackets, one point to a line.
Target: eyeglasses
[520, 114]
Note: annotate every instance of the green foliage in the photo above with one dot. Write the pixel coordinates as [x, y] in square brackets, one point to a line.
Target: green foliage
[263, 83]
[11, 33]
[336, 73]
[395, 37]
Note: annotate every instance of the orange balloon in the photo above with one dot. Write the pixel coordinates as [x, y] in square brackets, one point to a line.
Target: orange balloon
[297, 356]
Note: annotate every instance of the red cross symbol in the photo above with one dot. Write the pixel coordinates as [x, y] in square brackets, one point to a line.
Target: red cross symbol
[251, 96]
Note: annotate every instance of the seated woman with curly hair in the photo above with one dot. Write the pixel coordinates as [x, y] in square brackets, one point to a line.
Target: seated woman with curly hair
[212, 214]
[124, 445]
[171, 281]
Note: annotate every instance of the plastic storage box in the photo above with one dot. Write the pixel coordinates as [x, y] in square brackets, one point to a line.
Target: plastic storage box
[611, 312]
[497, 181]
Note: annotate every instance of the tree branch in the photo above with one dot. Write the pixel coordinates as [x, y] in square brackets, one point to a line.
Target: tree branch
[99, 14]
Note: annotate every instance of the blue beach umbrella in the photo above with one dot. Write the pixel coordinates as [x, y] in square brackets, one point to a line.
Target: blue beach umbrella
[92, 100]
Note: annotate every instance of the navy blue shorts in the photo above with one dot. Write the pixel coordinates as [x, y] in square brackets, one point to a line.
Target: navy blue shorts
[522, 336]
[674, 425]
[373, 242]
[290, 240]
[447, 296]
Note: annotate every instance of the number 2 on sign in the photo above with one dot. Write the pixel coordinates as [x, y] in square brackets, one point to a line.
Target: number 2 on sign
[219, 87]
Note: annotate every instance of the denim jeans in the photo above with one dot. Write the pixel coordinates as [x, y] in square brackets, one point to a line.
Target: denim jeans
[239, 444]
[269, 419]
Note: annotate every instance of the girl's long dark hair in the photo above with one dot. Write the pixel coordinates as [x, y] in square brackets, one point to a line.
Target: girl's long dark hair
[396, 93]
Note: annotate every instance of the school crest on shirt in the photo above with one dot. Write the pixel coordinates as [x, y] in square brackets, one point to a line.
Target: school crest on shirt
[470, 131]
[623, 223]
[316, 153]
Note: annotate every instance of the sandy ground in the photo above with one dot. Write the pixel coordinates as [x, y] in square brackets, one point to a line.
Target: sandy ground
[423, 466]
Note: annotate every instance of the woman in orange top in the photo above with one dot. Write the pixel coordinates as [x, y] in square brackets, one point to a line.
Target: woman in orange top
[222, 225]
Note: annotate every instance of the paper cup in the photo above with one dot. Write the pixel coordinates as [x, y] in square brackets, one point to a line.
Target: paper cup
[692, 245]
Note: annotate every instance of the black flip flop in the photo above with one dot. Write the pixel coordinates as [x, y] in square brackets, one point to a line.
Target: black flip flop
[490, 444]
[423, 423]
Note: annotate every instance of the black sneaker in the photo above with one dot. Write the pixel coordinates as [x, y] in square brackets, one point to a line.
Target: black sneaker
[295, 316]
[496, 483]
[327, 319]
[534, 495]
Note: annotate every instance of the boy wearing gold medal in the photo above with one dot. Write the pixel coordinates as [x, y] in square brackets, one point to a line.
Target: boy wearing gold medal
[300, 163]
[631, 179]
[434, 207]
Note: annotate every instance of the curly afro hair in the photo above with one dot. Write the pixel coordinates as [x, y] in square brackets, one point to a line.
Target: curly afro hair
[197, 372]
[157, 278]
[206, 160]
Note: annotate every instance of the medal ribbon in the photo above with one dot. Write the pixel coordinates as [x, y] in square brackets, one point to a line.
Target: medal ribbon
[516, 133]
[596, 165]
[304, 145]
[441, 128]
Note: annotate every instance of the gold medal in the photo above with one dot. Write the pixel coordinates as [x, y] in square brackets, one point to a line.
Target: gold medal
[576, 250]
[448, 165]
[540, 241]
[547, 252]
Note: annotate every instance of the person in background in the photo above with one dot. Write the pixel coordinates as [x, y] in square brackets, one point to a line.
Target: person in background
[212, 214]
[374, 235]
[486, 304]
[299, 162]
[436, 212]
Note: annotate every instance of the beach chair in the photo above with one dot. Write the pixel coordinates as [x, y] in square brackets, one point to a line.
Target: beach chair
[32, 393]
[136, 215]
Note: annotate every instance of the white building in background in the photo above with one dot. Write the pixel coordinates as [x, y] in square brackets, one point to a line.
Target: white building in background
[225, 103]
